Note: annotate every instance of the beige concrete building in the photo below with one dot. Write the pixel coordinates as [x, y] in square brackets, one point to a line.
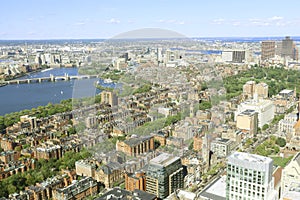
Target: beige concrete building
[261, 89]
[110, 98]
[250, 89]
[265, 110]
[267, 50]
[247, 121]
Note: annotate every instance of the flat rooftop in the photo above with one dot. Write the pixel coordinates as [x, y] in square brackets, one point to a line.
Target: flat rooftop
[164, 159]
[250, 157]
[221, 140]
[285, 91]
[216, 190]
[248, 112]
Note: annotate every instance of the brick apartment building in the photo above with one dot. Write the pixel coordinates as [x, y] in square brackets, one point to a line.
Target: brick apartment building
[136, 146]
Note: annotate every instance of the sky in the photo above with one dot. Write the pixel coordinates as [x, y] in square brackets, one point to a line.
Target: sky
[104, 19]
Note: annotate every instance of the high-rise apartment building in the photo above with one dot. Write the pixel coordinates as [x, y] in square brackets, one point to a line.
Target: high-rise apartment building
[164, 175]
[250, 88]
[267, 50]
[236, 56]
[262, 90]
[288, 48]
[249, 177]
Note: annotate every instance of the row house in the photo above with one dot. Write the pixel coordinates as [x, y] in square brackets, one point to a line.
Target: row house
[9, 156]
[7, 170]
[136, 145]
[107, 174]
[79, 189]
[48, 152]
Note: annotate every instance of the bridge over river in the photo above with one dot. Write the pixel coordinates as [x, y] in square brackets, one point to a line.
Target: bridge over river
[52, 78]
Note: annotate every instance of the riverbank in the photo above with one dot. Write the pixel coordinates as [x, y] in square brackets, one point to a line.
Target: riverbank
[22, 75]
[3, 84]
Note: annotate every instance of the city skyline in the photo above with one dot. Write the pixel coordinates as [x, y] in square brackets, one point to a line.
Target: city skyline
[102, 20]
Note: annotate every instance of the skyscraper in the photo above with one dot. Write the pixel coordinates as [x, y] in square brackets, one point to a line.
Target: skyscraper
[164, 175]
[267, 50]
[249, 176]
[288, 48]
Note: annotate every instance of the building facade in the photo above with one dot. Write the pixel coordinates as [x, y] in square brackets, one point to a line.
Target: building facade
[251, 90]
[267, 50]
[164, 175]
[77, 190]
[136, 146]
[249, 176]
[220, 147]
[247, 121]
[291, 175]
[135, 181]
[288, 48]
[236, 56]
[265, 110]
[110, 98]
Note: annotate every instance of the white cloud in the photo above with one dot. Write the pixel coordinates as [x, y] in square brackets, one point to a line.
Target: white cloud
[218, 21]
[275, 18]
[259, 22]
[80, 23]
[271, 21]
[236, 23]
[171, 21]
[113, 21]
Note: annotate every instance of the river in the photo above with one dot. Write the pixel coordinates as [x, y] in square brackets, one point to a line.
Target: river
[15, 98]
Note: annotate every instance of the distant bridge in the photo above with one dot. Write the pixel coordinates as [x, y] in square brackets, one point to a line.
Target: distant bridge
[52, 78]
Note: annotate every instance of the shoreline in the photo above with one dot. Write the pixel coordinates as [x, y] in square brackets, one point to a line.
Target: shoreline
[33, 72]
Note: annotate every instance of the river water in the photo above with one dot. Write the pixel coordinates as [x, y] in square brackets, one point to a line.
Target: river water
[15, 98]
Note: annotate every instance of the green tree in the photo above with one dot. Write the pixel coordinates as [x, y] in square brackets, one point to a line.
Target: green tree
[265, 127]
[191, 146]
[72, 130]
[11, 189]
[281, 142]
[2, 125]
[204, 105]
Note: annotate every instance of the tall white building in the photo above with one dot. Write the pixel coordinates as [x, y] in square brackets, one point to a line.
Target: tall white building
[249, 177]
[235, 56]
[264, 108]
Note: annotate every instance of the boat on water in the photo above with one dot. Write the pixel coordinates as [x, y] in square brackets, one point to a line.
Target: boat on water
[44, 70]
[108, 80]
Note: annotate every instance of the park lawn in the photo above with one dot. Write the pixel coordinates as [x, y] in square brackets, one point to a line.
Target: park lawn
[282, 162]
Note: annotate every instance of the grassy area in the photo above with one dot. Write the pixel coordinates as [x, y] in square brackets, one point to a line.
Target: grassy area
[282, 162]
[276, 78]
